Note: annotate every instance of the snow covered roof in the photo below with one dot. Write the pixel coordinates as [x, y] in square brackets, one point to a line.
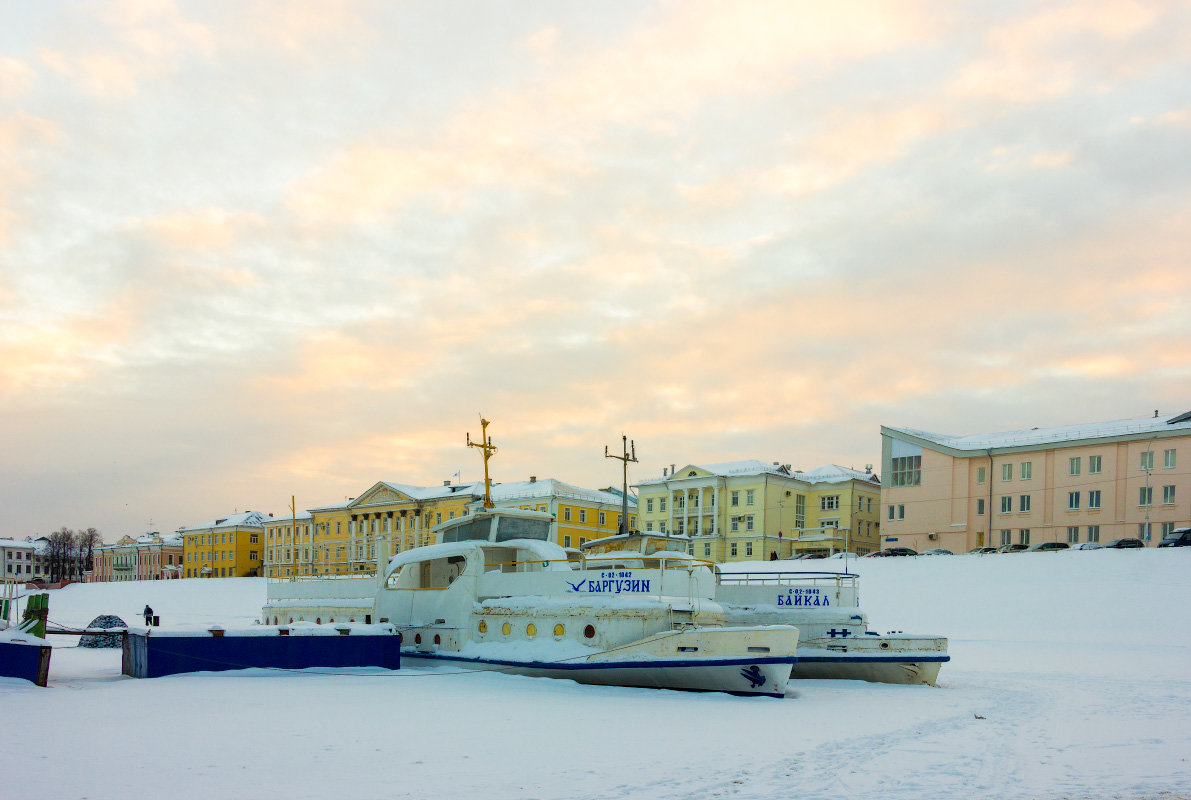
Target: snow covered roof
[1041, 437]
[549, 487]
[247, 519]
[300, 516]
[428, 492]
[834, 473]
[725, 468]
[15, 545]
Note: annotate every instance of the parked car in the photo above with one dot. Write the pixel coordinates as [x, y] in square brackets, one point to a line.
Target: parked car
[1088, 546]
[1012, 548]
[979, 551]
[937, 551]
[1179, 537]
[1125, 544]
[1042, 547]
[894, 551]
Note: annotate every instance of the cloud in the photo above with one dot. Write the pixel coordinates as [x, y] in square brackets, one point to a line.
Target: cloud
[15, 78]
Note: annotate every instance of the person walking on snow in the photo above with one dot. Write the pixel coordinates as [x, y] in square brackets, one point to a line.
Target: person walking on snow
[148, 615]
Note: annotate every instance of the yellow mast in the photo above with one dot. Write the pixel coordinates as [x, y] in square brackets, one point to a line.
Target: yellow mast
[487, 448]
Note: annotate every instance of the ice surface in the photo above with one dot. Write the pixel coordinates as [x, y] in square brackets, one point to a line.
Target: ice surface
[1068, 679]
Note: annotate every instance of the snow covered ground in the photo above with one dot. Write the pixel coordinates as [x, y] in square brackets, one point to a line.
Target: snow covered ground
[1069, 679]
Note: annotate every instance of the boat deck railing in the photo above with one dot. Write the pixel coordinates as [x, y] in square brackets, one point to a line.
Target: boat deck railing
[787, 578]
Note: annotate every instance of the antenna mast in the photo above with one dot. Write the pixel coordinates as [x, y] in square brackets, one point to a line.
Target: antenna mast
[487, 448]
[630, 454]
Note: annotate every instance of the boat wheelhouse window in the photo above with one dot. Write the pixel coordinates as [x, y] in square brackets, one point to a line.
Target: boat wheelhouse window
[471, 531]
[515, 528]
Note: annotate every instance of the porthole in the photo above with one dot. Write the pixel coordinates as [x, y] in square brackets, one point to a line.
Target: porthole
[291, 620]
[437, 639]
[332, 620]
[318, 620]
[482, 627]
[417, 638]
[559, 630]
[531, 630]
[589, 632]
[884, 645]
[506, 629]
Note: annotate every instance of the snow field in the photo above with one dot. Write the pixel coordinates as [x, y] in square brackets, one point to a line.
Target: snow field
[1067, 680]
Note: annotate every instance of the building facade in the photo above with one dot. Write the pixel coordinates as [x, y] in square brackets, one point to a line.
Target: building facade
[749, 510]
[352, 537]
[151, 557]
[225, 547]
[17, 560]
[1075, 483]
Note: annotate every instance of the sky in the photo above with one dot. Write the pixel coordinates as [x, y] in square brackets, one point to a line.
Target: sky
[259, 249]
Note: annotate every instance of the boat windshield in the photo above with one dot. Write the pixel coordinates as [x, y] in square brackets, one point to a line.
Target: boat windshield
[475, 530]
[518, 528]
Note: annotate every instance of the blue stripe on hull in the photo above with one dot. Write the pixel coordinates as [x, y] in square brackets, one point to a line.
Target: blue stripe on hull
[718, 662]
[891, 659]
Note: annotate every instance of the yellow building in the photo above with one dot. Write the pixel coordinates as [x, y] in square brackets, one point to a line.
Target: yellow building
[748, 510]
[580, 515]
[350, 537]
[1077, 483]
[227, 547]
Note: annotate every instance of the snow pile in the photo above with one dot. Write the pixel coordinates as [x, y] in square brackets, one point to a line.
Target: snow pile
[104, 639]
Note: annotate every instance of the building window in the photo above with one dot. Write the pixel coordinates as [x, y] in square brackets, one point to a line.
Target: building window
[1073, 465]
[735, 524]
[603, 518]
[748, 522]
[649, 505]
[748, 496]
[1147, 460]
[1095, 465]
[890, 515]
[733, 549]
[1143, 530]
[980, 475]
[661, 527]
[1023, 503]
[901, 511]
[1093, 533]
[583, 515]
[707, 548]
[1006, 504]
[661, 504]
[748, 548]
[1094, 498]
[1072, 534]
[907, 471]
[1145, 496]
[566, 541]
[1023, 536]
[735, 498]
[1027, 470]
[1006, 472]
[829, 502]
[1006, 537]
[649, 526]
[1168, 459]
[1072, 501]
[1167, 529]
[1168, 495]
[869, 503]
[566, 513]
[980, 506]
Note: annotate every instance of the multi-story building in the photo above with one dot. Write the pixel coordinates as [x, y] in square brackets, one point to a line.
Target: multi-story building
[349, 538]
[17, 560]
[748, 510]
[226, 547]
[1076, 483]
[150, 557]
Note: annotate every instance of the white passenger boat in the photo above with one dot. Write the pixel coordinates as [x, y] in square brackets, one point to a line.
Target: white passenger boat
[494, 594]
[834, 639]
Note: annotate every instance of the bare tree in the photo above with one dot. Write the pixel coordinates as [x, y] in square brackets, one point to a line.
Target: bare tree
[86, 541]
[59, 551]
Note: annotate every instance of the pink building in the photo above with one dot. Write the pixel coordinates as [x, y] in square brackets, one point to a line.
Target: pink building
[1076, 483]
[146, 558]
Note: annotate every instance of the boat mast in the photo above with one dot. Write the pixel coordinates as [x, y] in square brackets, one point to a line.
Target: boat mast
[487, 448]
[624, 496]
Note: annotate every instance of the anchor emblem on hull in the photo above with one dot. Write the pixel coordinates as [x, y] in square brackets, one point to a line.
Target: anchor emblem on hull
[753, 676]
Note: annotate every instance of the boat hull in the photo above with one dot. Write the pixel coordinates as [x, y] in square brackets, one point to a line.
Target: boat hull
[880, 659]
[746, 677]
